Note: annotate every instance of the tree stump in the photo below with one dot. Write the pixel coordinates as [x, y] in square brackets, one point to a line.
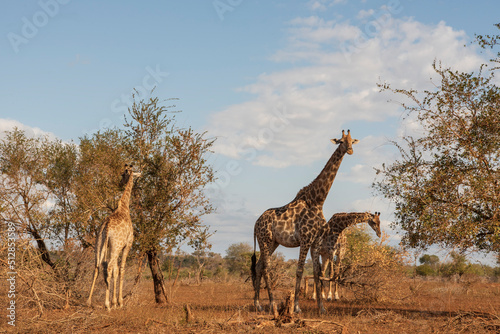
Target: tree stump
[189, 314]
[285, 311]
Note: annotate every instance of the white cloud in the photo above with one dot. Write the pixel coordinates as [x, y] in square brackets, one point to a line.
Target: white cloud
[335, 84]
[10, 124]
[322, 5]
[363, 14]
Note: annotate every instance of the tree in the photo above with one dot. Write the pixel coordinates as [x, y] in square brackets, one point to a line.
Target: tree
[201, 247]
[168, 199]
[446, 184]
[37, 198]
[35, 188]
[238, 258]
[101, 158]
[429, 265]
[431, 260]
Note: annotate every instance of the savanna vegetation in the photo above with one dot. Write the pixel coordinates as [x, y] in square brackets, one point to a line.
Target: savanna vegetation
[445, 185]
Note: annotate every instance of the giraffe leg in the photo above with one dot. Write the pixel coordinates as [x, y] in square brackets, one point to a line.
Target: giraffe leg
[323, 268]
[314, 292]
[107, 278]
[325, 261]
[342, 248]
[336, 273]
[115, 281]
[331, 274]
[298, 278]
[96, 274]
[267, 280]
[111, 270]
[122, 273]
[262, 269]
[266, 267]
[317, 273]
[256, 284]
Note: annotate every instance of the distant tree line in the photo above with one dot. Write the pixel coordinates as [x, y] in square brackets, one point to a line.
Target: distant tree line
[457, 265]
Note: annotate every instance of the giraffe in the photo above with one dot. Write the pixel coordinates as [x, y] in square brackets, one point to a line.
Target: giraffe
[116, 235]
[300, 223]
[328, 263]
[335, 241]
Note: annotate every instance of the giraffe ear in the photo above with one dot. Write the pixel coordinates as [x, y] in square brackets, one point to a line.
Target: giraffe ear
[355, 141]
[336, 141]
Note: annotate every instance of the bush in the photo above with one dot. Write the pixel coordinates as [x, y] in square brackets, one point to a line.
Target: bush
[370, 268]
[425, 270]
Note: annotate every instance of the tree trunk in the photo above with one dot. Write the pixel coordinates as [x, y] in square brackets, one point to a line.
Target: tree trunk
[154, 265]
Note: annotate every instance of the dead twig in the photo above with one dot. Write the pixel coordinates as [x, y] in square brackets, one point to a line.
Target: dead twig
[154, 320]
[320, 321]
[38, 301]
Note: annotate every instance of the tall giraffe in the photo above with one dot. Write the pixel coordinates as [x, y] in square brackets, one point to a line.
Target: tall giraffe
[116, 235]
[335, 239]
[300, 223]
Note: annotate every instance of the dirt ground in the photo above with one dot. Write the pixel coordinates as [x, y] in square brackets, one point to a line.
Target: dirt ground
[227, 307]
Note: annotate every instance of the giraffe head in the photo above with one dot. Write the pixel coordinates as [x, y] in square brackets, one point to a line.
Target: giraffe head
[374, 222]
[346, 142]
[127, 173]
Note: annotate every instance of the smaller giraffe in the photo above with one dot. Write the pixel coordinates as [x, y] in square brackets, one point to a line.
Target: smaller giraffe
[116, 235]
[334, 266]
[335, 242]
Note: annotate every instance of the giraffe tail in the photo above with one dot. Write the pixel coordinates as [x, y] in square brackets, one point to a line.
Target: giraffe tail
[254, 262]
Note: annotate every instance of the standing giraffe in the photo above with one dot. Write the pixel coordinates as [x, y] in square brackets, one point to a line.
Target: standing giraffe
[333, 243]
[116, 235]
[300, 223]
[333, 265]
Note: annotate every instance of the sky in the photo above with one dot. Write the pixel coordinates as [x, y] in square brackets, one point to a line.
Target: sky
[272, 81]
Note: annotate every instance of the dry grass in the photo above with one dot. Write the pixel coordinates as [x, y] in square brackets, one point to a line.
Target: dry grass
[412, 307]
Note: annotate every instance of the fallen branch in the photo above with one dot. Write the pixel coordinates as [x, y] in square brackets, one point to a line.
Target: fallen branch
[322, 322]
[154, 320]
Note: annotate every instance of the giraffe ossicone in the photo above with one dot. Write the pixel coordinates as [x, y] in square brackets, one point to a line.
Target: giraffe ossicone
[115, 236]
[300, 223]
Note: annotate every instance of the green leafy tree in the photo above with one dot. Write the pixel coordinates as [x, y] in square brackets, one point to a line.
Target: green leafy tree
[37, 196]
[446, 183]
[458, 265]
[429, 265]
[101, 159]
[168, 199]
[431, 260]
[23, 197]
[238, 258]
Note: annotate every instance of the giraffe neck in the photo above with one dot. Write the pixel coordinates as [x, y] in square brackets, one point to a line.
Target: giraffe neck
[341, 221]
[315, 193]
[125, 200]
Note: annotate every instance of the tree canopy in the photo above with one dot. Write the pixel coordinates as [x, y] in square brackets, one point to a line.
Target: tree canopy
[446, 182]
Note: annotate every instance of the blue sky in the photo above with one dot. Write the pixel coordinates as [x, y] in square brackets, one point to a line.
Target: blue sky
[272, 80]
